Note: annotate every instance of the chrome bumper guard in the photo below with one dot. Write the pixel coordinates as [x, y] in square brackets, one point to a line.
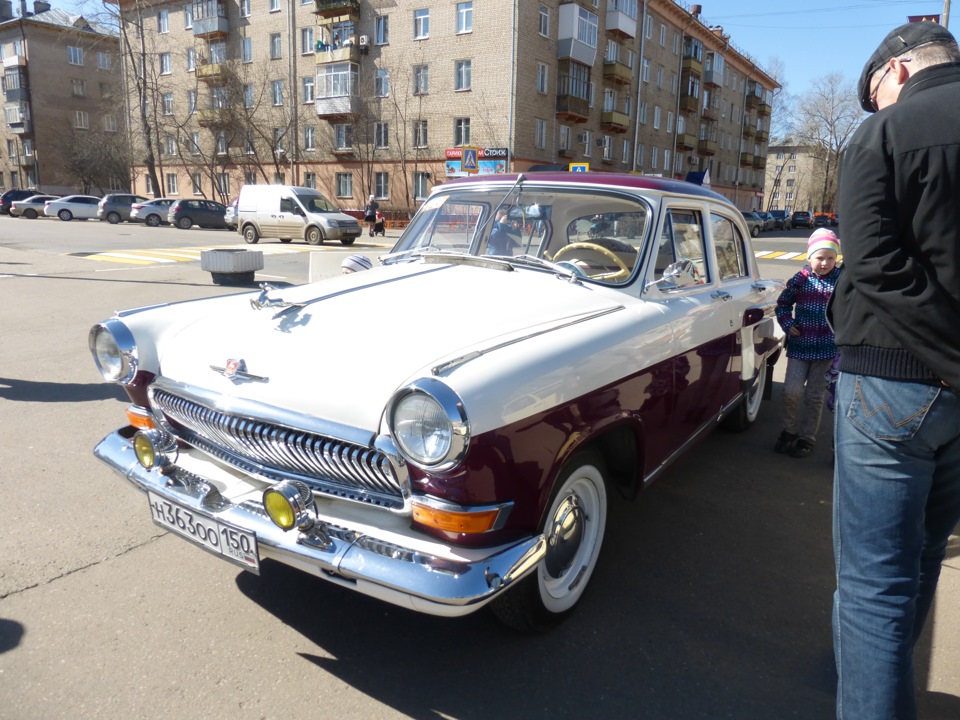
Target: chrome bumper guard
[375, 566]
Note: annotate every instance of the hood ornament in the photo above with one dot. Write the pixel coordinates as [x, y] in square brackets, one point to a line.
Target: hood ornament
[236, 370]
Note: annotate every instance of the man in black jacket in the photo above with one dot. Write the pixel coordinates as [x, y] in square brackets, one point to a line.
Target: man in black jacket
[896, 315]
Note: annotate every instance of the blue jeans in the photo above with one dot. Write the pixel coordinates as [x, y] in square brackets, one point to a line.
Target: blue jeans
[896, 501]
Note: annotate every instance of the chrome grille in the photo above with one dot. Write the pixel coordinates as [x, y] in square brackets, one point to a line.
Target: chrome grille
[328, 465]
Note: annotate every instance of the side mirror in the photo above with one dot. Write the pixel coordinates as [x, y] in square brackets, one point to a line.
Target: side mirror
[680, 274]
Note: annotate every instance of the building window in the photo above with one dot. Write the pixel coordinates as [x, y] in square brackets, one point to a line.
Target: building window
[163, 21]
[544, 21]
[564, 138]
[337, 80]
[587, 27]
[587, 143]
[306, 41]
[196, 180]
[343, 137]
[274, 6]
[343, 185]
[654, 157]
[645, 72]
[461, 75]
[244, 8]
[248, 148]
[310, 180]
[165, 66]
[421, 24]
[246, 50]
[223, 184]
[666, 159]
[194, 143]
[421, 80]
[104, 61]
[149, 185]
[625, 155]
[279, 140]
[308, 87]
[81, 120]
[191, 59]
[381, 83]
[461, 131]
[248, 95]
[166, 103]
[464, 17]
[420, 133]
[381, 183]
[792, 168]
[790, 183]
[276, 46]
[309, 137]
[543, 73]
[110, 123]
[540, 133]
[77, 88]
[188, 16]
[381, 34]
[169, 145]
[421, 185]
[276, 92]
[222, 143]
[669, 121]
[607, 148]
[172, 184]
[656, 117]
[382, 135]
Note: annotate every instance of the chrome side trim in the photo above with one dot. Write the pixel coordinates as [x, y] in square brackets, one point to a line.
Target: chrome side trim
[373, 562]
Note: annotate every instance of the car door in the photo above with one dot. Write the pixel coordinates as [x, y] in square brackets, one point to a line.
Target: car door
[86, 207]
[290, 219]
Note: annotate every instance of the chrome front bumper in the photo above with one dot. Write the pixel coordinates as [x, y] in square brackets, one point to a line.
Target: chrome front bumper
[448, 581]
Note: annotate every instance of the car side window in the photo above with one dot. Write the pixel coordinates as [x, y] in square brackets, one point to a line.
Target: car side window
[729, 248]
[286, 205]
[682, 238]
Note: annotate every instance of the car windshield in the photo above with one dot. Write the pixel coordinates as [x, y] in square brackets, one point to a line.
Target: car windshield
[315, 202]
[592, 233]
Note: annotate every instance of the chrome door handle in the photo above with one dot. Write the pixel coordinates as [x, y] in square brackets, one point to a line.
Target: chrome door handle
[721, 295]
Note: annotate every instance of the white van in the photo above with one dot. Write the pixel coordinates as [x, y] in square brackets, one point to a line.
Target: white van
[287, 212]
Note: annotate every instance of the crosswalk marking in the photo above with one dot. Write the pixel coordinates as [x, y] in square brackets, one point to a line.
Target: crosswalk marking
[149, 256]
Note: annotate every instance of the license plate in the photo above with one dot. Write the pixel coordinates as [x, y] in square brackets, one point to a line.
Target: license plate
[232, 543]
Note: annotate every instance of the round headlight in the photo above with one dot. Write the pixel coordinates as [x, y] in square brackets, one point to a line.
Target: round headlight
[114, 351]
[429, 425]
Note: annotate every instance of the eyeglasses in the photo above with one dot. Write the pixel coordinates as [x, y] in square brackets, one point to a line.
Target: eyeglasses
[876, 88]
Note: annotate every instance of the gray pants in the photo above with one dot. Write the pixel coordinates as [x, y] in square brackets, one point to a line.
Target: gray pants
[804, 389]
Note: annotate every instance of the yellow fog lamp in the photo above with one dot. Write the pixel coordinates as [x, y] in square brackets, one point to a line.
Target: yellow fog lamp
[288, 504]
[152, 447]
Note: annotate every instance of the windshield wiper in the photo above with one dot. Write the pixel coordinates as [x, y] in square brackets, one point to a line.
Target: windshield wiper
[540, 262]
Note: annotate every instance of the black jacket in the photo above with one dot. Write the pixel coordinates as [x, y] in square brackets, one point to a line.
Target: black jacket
[896, 308]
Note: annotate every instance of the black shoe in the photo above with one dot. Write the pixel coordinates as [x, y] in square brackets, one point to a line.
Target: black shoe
[801, 448]
[785, 442]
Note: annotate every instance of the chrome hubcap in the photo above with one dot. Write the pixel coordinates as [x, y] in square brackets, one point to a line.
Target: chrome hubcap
[565, 536]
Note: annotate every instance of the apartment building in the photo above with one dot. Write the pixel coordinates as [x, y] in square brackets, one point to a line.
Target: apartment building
[797, 178]
[359, 97]
[63, 128]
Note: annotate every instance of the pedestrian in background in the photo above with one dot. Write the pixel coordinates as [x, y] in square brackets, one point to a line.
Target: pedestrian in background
[801, 312]
[370, 213]
[896, 313]
[355, 263]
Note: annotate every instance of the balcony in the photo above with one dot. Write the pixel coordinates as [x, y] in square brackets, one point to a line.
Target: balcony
[333, 8]
[334, 108]
[713, 78]
[746, 159]
[27, 161]
[569, 43]
[572, 108]
[708, 147]
[15, 61]
[347, 53]
[213, 73]
[21, 127]
[764, 108]
[759, 162]
[762, 136]
[615, 121]
[686, 141]
[617, 72]
[565, 152]
[748, 129]
[692, 64]
[18, 94]
[689, 103]
[619, 23]
[752, 100]
[216, 117]
[709, 113]
[211, 27]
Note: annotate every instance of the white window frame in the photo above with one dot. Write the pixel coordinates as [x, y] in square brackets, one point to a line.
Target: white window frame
[421, 23]
[543, 78]
[381, 184]
[381, 32]
[462, 75]
[464, 18]
[81, 120]
[544, 26]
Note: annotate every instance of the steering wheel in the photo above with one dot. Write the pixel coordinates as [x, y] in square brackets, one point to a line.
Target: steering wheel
[623, 271]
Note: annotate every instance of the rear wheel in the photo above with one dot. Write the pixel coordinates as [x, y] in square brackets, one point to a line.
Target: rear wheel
[65, 215]
[573, 532]
[184, 223]
[286, 240]
[250, 235]
[347, 241]
[30, 214]
[113, 218]
[314, 236]
[153, 220]
[755, 230]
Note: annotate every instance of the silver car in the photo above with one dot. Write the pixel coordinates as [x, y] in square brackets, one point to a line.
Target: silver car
[30, 207]
[151, 212]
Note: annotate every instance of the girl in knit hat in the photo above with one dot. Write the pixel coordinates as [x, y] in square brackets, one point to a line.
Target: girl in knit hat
[801, 312]
[355, 263]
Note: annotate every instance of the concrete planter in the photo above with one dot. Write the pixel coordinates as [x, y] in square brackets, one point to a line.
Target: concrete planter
[231, 266]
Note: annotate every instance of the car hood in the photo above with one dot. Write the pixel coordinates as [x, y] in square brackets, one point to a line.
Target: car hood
[352, 341]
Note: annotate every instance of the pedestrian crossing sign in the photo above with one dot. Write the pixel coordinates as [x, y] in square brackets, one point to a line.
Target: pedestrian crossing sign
[469, 160]
[579, 167]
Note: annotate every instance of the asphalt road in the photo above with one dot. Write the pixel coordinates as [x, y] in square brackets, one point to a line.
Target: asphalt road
[711, 599]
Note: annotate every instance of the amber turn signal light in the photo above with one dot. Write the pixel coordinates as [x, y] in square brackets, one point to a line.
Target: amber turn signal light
[457, 521]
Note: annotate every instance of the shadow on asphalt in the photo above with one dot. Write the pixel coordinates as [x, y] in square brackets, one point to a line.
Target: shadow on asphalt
[11, 633]
[712, 599]
[32, 391]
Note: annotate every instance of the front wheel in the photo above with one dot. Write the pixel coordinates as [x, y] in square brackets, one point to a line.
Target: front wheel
[573, 531]
[184, 223]
[65, 215]
[755, 231]
[314, 236]
[250, 235]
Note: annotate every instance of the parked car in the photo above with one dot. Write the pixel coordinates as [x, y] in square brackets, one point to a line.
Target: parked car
[152, 212]
[782, 220]
[821, 220]
[835, 220]
[230, 217]
[286, 212]
[15, 194]
[82, 207]
[205, 213]
[768, 221]
[801, 218]
[476, 464]
[30, 207]
[754, 222]
[115, 207]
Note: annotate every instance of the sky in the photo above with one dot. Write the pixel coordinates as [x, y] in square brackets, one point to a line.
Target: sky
[812, 38]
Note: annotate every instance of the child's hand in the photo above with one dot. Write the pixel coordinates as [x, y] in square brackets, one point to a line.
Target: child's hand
[795, 331]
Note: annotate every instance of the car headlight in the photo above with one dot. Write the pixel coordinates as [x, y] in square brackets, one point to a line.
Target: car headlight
[429, 424]
[114, 350]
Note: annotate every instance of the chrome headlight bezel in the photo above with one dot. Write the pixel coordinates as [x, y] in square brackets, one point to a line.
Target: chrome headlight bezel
[121, 345]
[450, 405]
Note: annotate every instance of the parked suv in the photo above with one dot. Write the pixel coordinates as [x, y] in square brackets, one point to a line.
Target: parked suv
[116, 207]
[781, 220]
[802, 218]
[11, 195]
[205, 213]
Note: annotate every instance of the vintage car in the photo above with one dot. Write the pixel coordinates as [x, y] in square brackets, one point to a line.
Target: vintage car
[447, 430]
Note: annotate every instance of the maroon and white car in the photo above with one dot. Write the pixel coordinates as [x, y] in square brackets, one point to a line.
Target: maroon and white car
[447, 430]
